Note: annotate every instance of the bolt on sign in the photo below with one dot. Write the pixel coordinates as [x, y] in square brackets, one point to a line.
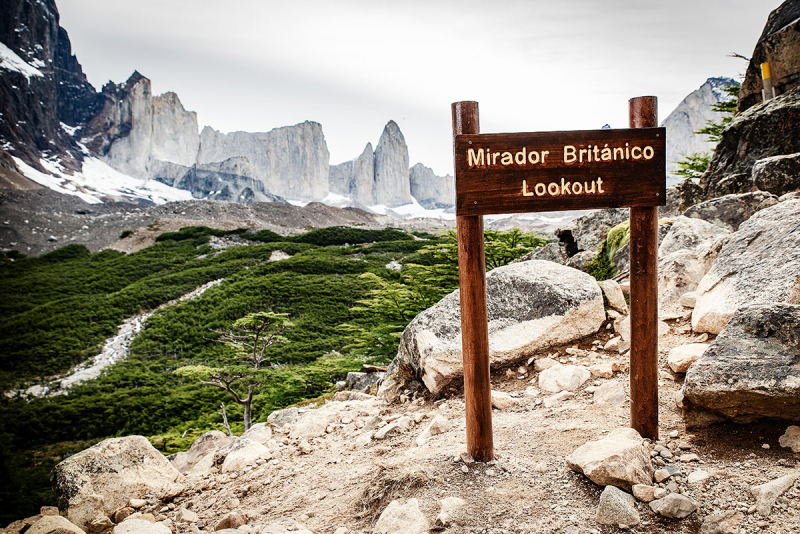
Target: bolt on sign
[554, 171]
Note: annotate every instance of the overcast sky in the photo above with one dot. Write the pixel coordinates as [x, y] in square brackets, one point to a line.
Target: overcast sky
[353, 65]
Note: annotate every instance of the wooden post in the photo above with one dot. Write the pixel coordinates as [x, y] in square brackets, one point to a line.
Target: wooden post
[643, 113]
[474, 318]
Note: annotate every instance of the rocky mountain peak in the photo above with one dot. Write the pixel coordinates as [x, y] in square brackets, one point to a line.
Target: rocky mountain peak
[391, 168]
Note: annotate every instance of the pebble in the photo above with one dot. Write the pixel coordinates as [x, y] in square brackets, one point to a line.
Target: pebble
[464, 469]
[691, 457]
[467, 458]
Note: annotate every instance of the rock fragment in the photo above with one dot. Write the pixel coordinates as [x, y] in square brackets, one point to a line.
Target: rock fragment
[617, 508]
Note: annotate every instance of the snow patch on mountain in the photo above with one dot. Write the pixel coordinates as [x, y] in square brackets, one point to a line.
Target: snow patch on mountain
[97, 182]
[10, 61]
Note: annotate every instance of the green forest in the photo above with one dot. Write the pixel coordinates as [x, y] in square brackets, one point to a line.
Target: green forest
[346, 294]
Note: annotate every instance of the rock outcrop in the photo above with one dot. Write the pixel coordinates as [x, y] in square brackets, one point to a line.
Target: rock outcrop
[765, 131]
[730, 211]
[103, 478]
[531, 305]
[432, 191]
[760, 264]
[779, 45]
[291, 162]
[392, 186]
[689, 116]
[752, 370]
[356, 178]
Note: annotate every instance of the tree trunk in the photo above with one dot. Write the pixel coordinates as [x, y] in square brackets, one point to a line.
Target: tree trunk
[248, 409]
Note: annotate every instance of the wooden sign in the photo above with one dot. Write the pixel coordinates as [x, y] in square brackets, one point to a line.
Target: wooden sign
[528, 172]
[554, 171]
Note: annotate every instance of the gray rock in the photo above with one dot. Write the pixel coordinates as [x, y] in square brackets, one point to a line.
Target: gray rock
[758, 133]
[752, 369]
[448, 507]
[292, 161]
[439, 425]
[392, 186]
[356, 178]
[241, 453]
[550, 252]
[432, 191]
[579, 260]
[231, 180]
[674, 505]
[259, 432]
[767, 494]
[395, 427]
[689, 233]
[313, 423]
[402, 519]
[282, 418]
[691, 115]
[617, 508]
[619, 459]
[568, 305]
[760, 264]
[778, 174]
[614, 295]
[730, 211]
[587, 233]
[644, 492]
[360, 381]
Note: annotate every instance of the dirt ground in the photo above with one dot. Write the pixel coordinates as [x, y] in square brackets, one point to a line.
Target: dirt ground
[528, 489]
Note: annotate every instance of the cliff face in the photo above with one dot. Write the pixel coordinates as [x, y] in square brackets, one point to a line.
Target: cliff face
[392, 186]
[691, 115]
[291, 162]
[41, 84]
[431, 191]
[355, 178]
[779, 45]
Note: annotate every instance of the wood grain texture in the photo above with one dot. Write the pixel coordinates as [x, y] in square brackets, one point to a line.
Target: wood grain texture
[644, 296]
[494, 188]
[474, 317]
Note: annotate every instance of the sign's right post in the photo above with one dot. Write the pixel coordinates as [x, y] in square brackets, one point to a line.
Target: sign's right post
[643, 113]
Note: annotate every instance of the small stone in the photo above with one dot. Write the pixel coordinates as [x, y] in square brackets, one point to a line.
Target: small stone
[231, 520]
[304, 447]
[544, 363]
[722, 523]
[540, 467]
[491, 473]
[402, 519]
[697, 477]
[467, 458]
[342, 530]
[691, 457]
[674, 505]
[659, 493]
[602, 370]
[674, 434]
[765, 446]
[612, 345]
[661, 475]
[682, 357]
[552, 400]
[502, 400]
[447, 508]
[464, 469]
[137, 503]
[186, 516]
[617, 508]
[643, 492]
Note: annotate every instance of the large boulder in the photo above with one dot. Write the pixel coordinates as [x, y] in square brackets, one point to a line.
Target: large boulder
[689, 233]
[752, 369]
[588, 232]
[205, 444]
[761, 263]
[531, 306]
[241, 453]
[551, 252]
[772, 129]
[619, 459]
[779, 45]
[106, 476]
[730, 211]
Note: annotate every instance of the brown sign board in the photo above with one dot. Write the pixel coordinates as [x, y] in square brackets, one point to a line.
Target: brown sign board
[554, 171]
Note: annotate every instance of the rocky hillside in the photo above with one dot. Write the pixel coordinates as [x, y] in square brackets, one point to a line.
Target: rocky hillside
[691, 115]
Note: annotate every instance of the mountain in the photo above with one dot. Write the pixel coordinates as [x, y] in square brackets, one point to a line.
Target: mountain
[125, 143]
[691, 115]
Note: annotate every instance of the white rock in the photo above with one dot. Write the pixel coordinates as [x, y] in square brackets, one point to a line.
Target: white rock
[619, 459]
[614, 295]
[186, 516]
[402, 519]
[602, 370]
[644, 492]
[439, 425]
[447, 507]
[688, 299]
[53, 523]
[563, 378]
[106, 476]
[205, 444]
[680, 358]
[502, 400]
[697, 477]
[767, 494]
[544, 363]
[260, 432]
[612, 345]
[396, 427]
[552, 400]
[140, 526]
[611, 393]
[243, 452]
[312, 424]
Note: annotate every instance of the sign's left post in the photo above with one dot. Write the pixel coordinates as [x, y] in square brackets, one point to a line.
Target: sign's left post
[474, 318]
